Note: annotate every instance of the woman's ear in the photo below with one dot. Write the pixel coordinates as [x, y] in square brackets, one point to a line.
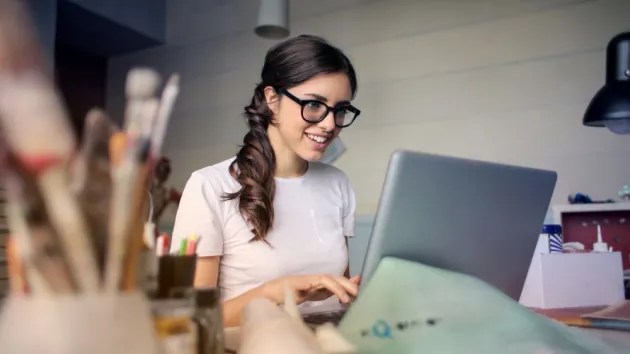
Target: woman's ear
[272, 98]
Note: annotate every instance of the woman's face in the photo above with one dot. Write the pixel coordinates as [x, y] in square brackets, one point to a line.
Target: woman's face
[309, 140]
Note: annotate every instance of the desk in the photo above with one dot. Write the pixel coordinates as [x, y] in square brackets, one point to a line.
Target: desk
[571, 316]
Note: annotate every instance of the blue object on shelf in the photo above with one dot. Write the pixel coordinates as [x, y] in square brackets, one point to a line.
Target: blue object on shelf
[554, 231]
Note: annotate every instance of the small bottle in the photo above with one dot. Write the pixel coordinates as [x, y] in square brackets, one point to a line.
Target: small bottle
[600, 246]
[554, 233]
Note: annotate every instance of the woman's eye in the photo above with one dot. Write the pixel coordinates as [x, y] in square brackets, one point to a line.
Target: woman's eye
[314, 106]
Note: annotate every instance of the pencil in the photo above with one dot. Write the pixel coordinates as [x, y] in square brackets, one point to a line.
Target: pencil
[191, 244]
[182, 247]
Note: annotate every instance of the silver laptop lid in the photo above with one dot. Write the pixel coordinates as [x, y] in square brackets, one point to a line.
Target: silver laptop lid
[473, 217]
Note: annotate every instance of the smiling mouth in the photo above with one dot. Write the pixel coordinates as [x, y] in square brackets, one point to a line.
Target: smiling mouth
[317, 138]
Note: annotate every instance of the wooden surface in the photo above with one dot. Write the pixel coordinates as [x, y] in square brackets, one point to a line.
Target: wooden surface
[569, 316]
[572, 317]
[567, 312]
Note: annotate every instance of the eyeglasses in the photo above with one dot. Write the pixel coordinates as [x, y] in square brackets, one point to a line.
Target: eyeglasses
[314, 111]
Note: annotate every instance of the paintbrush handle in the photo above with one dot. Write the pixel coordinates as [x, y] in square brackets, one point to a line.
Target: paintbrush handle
[167, 102]
[36, 255]
[119, 223]
[67, 219]
[91, 179]
[136, 238]
[16, 271]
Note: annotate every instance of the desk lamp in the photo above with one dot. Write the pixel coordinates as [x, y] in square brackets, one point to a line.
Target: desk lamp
[610, 107]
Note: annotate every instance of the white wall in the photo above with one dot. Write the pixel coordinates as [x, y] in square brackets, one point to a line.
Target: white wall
[499, 80]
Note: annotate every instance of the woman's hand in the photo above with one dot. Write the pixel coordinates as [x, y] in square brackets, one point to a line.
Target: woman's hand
[313, 287]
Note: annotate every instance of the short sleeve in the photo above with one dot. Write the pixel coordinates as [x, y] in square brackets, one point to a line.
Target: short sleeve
[198, 213]
[349, 209]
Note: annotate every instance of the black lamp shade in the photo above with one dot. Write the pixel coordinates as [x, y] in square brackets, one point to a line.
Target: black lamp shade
[611, 105]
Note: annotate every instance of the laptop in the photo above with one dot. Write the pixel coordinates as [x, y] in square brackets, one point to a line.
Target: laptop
[474, 217]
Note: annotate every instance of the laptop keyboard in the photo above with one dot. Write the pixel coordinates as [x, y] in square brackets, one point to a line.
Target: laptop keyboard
[320, 318]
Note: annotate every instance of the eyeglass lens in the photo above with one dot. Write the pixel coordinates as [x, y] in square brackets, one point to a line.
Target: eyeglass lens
[315, 112]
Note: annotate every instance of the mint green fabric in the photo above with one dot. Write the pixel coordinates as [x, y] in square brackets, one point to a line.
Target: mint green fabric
[409, 307]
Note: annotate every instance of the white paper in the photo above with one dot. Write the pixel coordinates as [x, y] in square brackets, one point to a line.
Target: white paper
[334, 151]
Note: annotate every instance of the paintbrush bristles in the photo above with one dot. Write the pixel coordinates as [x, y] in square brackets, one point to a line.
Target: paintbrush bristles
[173, 81]
[33, 118]
[19, 49]
[171, 91]
[142, 83]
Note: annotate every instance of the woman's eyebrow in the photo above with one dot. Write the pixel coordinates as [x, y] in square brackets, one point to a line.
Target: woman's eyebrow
[324, 99]
[317, 97]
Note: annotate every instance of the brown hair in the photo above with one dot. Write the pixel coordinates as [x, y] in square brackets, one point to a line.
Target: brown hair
[287, 64]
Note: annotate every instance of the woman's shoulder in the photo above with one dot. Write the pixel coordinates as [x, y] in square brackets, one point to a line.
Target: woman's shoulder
[322, 174]
[326, 171]
[216, 176]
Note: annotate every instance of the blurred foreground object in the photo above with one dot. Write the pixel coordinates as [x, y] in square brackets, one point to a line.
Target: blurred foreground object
[81, 273]
[432, 310]
[268, 329]
[74, 212]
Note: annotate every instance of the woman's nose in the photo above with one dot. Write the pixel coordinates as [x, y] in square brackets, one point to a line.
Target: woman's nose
[328, 123]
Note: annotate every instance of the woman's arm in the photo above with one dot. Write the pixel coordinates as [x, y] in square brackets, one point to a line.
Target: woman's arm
[349, 217]
[207, 274]
[347, 272]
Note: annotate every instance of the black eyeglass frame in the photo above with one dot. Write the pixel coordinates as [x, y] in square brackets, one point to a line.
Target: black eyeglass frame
[304, 103]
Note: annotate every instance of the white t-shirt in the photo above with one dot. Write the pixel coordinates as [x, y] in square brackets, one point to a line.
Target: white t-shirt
[314, 214]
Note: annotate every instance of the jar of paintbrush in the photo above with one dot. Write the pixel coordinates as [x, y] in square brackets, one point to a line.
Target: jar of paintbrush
[75, 213]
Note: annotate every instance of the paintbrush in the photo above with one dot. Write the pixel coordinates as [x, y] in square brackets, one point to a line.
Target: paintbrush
[154, 138]
[40, 253]
[128, 174]
[139, 202]
[140, 87]
[123, 172]
[37, 130]
[91, 179]
[167, 102]
[18, 246]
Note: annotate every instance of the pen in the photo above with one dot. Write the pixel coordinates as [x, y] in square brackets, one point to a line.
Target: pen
[191, 244]
[182, 247]
[161, 244]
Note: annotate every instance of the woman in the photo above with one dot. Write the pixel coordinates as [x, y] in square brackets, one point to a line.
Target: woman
[273, 215]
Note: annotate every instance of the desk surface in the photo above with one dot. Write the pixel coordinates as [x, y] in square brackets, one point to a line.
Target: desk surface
[571, 316]
[567, 315]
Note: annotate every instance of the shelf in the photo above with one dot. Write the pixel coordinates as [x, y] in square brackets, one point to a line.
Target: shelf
[560, 209]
